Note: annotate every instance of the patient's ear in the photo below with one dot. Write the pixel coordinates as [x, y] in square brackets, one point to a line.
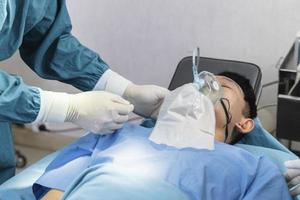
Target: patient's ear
[245, 125]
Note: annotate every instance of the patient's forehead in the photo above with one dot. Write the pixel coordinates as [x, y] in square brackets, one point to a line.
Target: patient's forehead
[231, 84]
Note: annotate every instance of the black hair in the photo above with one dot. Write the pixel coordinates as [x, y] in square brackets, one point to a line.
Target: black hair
[249, 97]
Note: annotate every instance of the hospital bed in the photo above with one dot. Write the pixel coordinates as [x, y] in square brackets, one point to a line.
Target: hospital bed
[259, 142]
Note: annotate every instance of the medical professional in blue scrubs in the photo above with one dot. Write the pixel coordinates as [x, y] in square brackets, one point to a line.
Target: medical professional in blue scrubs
[41, 31]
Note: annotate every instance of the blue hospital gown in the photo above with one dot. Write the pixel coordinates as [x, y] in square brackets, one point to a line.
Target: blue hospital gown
[98, 164]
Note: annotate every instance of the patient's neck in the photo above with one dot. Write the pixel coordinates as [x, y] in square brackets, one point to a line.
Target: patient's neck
[220, 134]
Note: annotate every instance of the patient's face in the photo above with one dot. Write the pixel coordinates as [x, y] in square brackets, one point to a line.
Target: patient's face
[233, 98]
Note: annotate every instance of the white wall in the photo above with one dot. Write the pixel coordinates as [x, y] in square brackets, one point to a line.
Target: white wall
[144, 40]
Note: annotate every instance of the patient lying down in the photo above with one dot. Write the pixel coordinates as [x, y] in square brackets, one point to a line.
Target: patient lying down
[127, 165]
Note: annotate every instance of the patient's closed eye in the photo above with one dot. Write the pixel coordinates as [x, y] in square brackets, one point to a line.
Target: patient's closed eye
[225, 86]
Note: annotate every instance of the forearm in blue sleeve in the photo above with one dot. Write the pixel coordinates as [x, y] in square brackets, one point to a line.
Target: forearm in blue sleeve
[18, 102]
[53, 52]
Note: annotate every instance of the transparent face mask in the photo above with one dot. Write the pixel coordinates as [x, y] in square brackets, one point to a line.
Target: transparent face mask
[205, 81]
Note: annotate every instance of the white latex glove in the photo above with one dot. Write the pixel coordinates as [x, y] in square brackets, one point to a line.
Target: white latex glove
[292, 176]
[146, 99]
[96, 111]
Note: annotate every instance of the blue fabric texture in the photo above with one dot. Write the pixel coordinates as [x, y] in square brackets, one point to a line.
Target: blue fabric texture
[113, 185]
[276, 156]
[7, 153]
[199, 174]
[20, 186]
[19, 103]
[3, 12]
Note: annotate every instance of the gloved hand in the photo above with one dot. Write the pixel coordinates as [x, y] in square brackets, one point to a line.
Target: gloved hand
[146, 99]
[96, 111]
[292, 176]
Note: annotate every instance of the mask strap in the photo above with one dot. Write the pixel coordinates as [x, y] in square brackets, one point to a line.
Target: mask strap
[227, 118]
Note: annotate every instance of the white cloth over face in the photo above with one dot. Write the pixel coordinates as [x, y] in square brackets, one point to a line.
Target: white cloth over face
[3, 12]
[186, 119]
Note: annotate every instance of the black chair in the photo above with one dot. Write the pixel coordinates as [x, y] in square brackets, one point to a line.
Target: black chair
[183, 73]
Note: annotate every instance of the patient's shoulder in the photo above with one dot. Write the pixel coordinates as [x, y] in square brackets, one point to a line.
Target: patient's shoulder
[245, 158]
[228, 149]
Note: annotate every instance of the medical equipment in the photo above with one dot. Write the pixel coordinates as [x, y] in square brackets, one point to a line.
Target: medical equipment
[297, 49]
[297, 79]
[205, 81]
[187, 117]
[210, 86]
[288, 103]
[297, 62]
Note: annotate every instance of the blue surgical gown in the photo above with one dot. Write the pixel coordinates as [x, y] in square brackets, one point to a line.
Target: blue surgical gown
[126, 163]
[41, 30]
